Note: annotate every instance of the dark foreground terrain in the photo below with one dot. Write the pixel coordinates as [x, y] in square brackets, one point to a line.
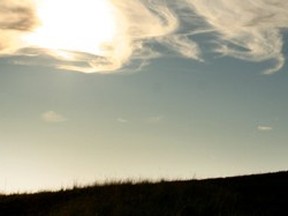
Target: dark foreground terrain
[257, 195]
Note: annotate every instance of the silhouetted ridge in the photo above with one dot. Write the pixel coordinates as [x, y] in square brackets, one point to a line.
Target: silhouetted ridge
[253, 195]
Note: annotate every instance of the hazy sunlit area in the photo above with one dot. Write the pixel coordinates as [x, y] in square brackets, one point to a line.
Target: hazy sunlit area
[101, 90]
[54, 16]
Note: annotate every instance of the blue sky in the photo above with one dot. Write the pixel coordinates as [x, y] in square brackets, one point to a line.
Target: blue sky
[204, 115]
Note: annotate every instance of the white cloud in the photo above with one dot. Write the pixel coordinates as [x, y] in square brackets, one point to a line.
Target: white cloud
[264, 128]
[249, 30]
[138, 24]
[52, 117]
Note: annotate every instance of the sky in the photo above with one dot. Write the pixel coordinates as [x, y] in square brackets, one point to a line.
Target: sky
[144, 89]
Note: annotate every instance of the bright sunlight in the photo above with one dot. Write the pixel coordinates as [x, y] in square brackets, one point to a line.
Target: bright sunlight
[78, 26]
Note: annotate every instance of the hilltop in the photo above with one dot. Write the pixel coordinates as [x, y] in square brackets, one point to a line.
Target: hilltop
[252, 195]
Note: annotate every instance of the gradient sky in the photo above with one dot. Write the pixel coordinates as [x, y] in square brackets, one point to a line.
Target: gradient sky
[217, 111]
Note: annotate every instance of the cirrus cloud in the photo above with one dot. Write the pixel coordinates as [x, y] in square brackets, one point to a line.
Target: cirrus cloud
[249, 30]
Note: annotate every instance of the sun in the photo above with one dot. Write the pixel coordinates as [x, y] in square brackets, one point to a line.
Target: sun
[74, 26]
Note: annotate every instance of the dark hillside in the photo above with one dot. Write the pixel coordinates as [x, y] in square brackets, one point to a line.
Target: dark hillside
[254, 195]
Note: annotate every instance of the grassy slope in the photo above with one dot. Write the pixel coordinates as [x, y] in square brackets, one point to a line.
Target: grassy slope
[261, 195]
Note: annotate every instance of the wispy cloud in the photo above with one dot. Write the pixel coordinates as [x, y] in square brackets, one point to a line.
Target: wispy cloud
[155, 119]
[248, 30]
[264, 128]
[134, 30]
[122, 120]
[17, 16]
[53, 117]
[16, 19]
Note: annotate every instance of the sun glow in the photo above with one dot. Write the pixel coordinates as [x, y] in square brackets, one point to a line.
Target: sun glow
[70, 27]
[89, 35]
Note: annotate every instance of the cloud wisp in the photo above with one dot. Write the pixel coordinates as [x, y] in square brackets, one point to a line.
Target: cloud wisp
[264, 128]
[122, 120]
[106, 35]
[53, 117]
[248, 30]
[16, 19]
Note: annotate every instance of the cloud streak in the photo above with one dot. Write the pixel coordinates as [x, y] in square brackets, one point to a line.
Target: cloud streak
[106, 35]
[122, 120]
[16, 19]
[53, 117]
[248, 30]
[264, 128]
